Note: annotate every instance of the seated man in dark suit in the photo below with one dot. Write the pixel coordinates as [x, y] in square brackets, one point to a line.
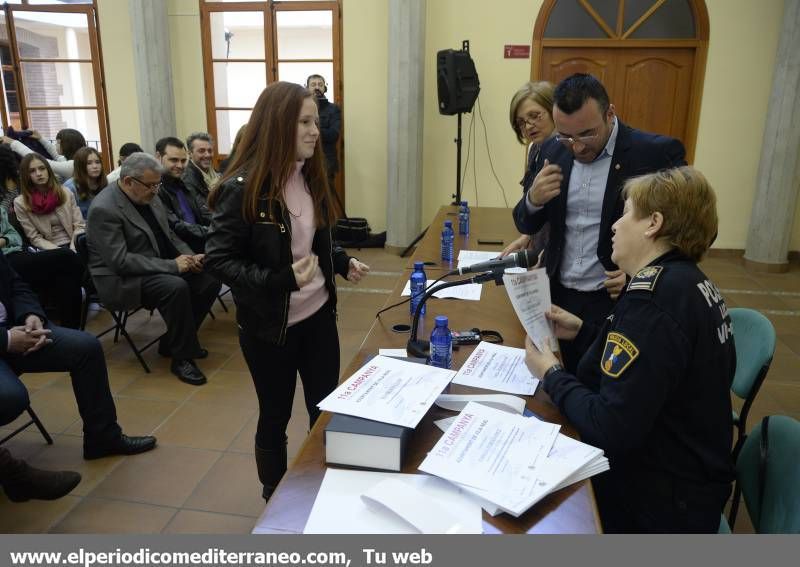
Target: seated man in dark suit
[136, 260]
[186, 214]
[580, 173]
[29, 344]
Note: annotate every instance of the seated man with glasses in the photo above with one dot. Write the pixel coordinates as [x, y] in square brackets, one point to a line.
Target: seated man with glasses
[578, 181]
[136, 260]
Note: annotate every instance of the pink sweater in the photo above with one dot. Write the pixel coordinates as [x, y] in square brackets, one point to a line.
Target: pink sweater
[308, 299]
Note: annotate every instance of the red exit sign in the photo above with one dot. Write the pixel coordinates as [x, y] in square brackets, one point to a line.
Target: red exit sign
[517, 51]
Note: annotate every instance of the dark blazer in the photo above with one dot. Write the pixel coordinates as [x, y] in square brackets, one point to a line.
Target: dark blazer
[18, 299]
[123, 249]
[194, 234]
[635, 153]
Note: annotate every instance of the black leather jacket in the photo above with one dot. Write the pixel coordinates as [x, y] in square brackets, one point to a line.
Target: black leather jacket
[255, 260]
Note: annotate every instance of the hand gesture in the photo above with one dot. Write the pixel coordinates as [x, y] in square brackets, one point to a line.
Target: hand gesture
[538, 361]
[24, 342]
[357, 271]
[199, 260]
[185, 263]
[614, 283]
[520, 243]
[565, 325]
[305, 269]
[546, 185]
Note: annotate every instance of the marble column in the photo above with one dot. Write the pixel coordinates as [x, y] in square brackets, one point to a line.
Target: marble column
[153, 67]
[778, 179]
[405, 120]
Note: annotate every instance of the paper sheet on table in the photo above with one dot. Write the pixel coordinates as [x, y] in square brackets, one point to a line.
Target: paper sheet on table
[486, 448]
[389, 390]
[469, 257]
[470, 292]
[340, 509]
[529, 293]
[497, 367]
[504, 402]
[394, 352]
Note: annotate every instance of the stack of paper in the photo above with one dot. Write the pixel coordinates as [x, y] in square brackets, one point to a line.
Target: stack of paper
[468, 257]
[509, 461]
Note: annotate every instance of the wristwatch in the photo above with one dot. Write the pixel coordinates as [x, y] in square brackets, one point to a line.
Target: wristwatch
[555, 368]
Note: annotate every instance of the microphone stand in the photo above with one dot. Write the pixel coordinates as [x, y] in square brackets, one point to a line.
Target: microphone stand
[421, 348]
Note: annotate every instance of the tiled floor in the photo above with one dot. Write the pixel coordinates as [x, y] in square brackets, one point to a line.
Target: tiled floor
[202, 476]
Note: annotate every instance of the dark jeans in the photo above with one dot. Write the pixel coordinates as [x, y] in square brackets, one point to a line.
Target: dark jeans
[82, 356]
[592, 306]
[183, 302]
[57, 274]
[312, 349]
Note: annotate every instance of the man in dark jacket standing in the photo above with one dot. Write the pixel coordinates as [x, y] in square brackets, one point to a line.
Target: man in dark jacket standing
[330, 125]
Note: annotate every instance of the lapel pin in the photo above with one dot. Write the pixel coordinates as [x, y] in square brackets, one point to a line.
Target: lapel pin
[617, 167]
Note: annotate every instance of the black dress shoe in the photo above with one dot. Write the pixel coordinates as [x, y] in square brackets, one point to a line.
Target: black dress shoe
[166, 353]
[122, 445]
[186, 370]
[32, 483]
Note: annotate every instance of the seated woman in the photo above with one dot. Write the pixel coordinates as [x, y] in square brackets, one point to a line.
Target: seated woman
[531, 117]
[88, 178]
[47, 213]
[56, 274]
[653, 388]
[68, 141]
[9, 177]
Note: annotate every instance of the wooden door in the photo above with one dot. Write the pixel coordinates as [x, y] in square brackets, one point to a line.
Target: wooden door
[650, 87]
[649, 54]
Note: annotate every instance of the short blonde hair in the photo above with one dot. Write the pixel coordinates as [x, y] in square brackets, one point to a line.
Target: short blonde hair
[540, 92]
[686, 201]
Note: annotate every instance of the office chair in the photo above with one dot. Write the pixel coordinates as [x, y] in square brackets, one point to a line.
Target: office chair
[755, 345]
[767, 473]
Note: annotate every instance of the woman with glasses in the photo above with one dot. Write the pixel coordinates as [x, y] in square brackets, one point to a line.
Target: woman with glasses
[88, 178]
[271, 242]
[652, 388]
[531, 117]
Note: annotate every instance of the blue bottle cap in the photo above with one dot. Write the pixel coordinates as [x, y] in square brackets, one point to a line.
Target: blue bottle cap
[448, 223]
[441, 320]
[419, 265]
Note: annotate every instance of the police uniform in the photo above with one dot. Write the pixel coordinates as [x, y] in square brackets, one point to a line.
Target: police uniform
[652, 391]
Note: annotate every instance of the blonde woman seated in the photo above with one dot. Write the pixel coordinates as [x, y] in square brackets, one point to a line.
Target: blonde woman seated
[47, 212]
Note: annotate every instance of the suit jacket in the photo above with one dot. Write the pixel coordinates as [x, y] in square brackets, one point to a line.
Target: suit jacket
[635, 153]
[18, 299]
[123, 249]
[37, 227]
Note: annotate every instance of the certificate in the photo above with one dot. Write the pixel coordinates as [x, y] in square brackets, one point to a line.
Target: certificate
[497, 367]
[389, 390]
[529, 293]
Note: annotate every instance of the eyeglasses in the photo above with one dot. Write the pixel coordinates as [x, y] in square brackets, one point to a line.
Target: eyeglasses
[151, 186]
[529, 120]
[582, 140]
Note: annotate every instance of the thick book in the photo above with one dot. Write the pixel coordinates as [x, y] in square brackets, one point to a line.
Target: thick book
[363, 443]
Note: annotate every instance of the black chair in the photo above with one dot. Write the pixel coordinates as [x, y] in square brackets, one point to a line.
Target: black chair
[34, 420]
[120, 317]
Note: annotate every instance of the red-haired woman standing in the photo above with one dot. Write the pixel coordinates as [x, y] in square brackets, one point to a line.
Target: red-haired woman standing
[271, 243]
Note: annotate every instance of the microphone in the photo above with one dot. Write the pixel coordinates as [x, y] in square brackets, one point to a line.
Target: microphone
[521, 259]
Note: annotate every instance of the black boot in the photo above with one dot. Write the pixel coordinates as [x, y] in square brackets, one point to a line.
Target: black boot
[22, 482]
[271, 464]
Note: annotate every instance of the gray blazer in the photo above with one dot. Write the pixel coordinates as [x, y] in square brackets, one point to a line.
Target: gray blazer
[123, 249]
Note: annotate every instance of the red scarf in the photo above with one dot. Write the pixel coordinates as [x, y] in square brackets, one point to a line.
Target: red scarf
[43, 203]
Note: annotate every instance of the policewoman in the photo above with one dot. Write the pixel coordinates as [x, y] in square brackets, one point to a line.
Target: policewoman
[652, 388]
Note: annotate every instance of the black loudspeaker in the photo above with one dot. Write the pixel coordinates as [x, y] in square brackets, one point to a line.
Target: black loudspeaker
[457, 80]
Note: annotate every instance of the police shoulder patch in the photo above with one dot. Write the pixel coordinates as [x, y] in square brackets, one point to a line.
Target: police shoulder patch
[618, 354]
[645, 279]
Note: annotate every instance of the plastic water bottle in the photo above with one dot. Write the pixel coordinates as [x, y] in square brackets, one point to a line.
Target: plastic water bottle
[418, 282]
[447, 241]
[441, 344]
[463, 218]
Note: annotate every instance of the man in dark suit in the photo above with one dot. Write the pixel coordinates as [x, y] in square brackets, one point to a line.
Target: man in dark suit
[136, 260]
[29, 344]
[580, 174]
